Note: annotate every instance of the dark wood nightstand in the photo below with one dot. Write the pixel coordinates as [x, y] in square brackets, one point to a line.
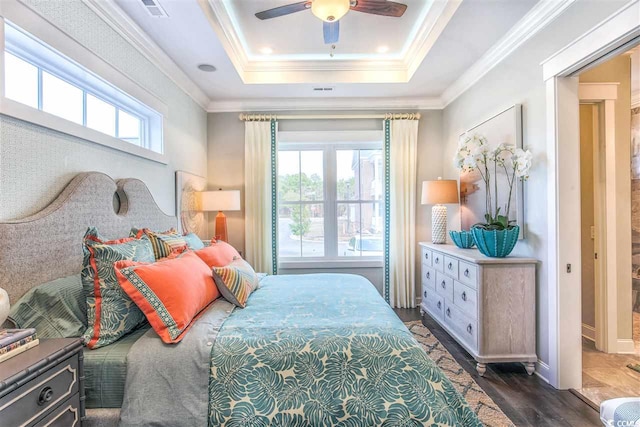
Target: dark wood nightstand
[44, 386]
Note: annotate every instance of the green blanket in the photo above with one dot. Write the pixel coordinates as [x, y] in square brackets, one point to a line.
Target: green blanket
[325, 350]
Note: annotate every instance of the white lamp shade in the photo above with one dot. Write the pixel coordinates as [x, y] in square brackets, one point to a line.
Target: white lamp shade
[330, 10]
[440, 192]
[221, 200]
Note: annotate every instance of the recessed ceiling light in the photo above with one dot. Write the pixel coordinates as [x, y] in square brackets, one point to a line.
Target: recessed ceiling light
[207, 67]
[383, 49]
[266, 51]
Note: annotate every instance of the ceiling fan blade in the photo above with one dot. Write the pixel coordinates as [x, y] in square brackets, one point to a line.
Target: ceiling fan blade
[380, 7]
[331, 31]
[284, 10]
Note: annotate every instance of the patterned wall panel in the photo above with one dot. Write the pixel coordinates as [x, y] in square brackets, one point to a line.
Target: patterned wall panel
[36, 163]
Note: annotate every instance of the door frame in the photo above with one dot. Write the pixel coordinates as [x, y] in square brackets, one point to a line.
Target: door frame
[563, 185]
[603, 96]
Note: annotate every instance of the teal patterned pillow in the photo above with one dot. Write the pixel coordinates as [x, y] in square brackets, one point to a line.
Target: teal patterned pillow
[110, 312]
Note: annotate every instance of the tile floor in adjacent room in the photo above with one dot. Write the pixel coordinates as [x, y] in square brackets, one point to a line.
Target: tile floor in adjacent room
[606, 376]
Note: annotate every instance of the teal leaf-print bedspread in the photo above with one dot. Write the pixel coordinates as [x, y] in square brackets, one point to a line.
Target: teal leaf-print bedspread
[325, 350]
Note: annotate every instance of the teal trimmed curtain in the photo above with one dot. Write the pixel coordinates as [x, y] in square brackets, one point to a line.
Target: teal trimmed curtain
[387, 195]
[400, 164]
[261, 211]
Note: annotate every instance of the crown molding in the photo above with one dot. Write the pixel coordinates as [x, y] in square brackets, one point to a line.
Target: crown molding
[541, 15]
[428, 33]
[619, 28]
[122, 24]
[258, 70]
[332, 104]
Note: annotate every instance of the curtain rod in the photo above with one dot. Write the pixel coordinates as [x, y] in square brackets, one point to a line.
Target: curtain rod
[386, 116]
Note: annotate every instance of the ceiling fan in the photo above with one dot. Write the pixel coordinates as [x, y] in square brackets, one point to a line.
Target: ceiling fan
[330, 12]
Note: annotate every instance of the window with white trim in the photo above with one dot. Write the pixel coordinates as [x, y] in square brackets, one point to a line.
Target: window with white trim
[330, 201]
[38, 76]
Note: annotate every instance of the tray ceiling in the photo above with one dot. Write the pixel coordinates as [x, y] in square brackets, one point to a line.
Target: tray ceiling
[423, 52]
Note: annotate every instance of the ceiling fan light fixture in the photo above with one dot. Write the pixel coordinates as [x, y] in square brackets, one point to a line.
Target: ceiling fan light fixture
[330, 10]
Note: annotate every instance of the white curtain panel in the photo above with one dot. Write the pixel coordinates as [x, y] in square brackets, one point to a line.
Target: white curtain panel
[402, 241]
[258, 209]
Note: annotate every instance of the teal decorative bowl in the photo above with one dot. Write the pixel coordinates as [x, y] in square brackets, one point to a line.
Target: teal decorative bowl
[462, 239]
[496, 243]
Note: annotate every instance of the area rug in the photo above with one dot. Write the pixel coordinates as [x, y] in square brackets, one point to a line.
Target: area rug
[488, 412]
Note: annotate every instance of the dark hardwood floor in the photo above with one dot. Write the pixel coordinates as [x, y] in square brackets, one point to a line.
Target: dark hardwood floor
[527, 400]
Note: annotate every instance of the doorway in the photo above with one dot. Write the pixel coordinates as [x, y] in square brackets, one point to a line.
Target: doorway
[610, 369]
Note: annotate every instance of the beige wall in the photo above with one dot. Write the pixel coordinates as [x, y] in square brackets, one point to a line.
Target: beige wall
[37, 163]
[619, 70]
[518, 79]
[226, 165]
[586, 217]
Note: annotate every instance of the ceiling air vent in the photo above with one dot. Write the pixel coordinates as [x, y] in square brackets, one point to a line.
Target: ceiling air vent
[154, 9]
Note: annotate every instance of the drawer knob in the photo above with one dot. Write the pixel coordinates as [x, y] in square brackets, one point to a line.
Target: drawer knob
[466, 273]
[469, 328]
[449, 312]
[437, 260]
[46, 394]
[450, 266]
[425, 294]
[464, 296]
[439, 304]
[444, 284]
[426, 255]
[428, 275]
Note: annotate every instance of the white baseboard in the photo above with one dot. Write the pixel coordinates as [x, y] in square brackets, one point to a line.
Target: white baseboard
[626, 346]
[542, 370]
[589, 332]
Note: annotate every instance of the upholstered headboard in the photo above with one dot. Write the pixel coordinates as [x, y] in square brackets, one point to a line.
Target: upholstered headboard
[48, 244]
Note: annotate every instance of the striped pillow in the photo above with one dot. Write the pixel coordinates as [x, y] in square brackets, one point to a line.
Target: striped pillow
[164, 243]
[236, 281]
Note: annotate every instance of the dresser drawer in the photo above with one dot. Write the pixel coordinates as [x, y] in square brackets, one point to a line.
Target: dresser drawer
[451, 266]
[65, 415]
[434, 304]
[438, 261]
[35, 398]
[468, 274]
[466, 299]
[428, 277]
[423, 291]
[444, 286]
[465, 328]
[426, 256]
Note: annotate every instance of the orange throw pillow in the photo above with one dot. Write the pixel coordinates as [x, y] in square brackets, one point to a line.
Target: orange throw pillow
[219, 254]
[171, 293]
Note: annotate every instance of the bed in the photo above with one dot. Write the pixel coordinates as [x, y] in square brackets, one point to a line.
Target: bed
[307, 350]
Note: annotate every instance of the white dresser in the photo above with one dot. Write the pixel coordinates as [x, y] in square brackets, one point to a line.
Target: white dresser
[488, 305]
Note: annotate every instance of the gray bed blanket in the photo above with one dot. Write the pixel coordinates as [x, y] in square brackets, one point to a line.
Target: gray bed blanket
[157, 396]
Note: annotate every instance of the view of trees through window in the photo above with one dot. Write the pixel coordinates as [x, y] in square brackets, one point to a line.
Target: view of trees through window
[334, 216]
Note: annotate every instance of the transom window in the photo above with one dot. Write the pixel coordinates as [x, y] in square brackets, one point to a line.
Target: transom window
[38, 76]
[330, 201]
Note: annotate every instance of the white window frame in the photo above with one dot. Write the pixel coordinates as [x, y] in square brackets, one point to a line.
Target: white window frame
[328, 142]
[84, 69]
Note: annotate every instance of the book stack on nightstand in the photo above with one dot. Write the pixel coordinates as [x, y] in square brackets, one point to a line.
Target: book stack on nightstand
[16, 341]
[44, 385]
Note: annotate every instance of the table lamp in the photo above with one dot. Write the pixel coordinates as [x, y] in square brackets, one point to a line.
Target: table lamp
[221, 200]
[439, 193]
